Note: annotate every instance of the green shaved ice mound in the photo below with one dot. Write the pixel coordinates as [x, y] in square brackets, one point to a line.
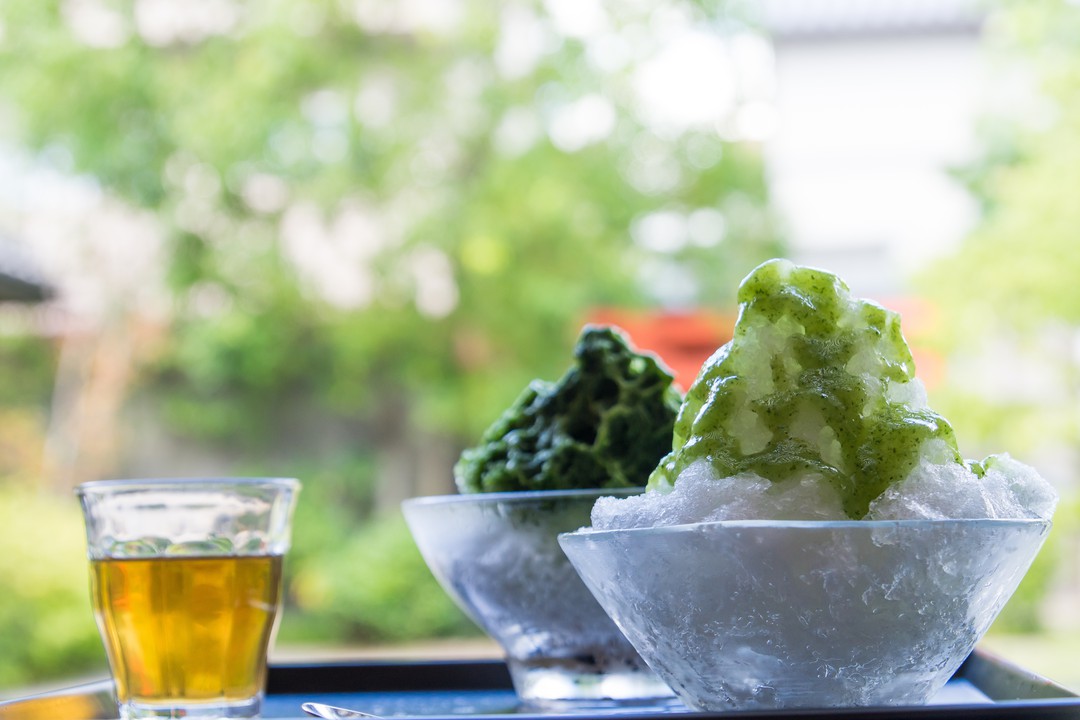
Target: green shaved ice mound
[604, 424]
[812, 382]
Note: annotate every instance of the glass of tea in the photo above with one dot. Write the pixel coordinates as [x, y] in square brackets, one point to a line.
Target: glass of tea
[186, 587]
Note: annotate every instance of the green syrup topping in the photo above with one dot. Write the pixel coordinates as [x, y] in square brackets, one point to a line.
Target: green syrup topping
[811, 382]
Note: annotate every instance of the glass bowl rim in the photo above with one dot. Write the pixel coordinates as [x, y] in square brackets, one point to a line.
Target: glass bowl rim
[519, 496]
[719, 525]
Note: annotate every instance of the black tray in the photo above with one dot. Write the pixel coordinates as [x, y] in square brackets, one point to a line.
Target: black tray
[984, 687]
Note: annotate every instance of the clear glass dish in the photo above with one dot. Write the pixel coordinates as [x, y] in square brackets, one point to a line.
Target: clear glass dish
[497, 555]
[787, 614]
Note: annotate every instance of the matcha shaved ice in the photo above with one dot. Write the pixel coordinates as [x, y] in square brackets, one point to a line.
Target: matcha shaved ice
[604, 424]
[813, 412]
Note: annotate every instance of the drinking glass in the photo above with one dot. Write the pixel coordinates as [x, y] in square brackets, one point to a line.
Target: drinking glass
[185, 579]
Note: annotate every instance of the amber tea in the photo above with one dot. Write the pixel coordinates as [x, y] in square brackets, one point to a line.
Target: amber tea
[186, 587]
[187, 627]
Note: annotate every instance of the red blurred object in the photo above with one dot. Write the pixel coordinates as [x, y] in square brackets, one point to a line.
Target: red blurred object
[918, 318]
[682, 340]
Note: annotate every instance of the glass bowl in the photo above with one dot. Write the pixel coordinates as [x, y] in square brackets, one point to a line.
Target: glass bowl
[738, 615]
[497, 555]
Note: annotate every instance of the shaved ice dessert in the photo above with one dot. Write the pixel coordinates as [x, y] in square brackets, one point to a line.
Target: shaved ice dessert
[536, 472]
[814, 538]
[813, 412]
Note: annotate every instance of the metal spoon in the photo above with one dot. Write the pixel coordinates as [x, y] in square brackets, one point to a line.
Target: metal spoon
[330, 712]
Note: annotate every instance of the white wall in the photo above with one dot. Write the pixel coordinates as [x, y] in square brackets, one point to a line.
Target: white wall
[859, 164]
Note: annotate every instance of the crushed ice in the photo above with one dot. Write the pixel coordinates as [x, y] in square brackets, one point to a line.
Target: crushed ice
[933, 490]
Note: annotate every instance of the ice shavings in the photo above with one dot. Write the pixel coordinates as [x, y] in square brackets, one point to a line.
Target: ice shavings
[934, 490]
[700, 496]
[1008, 489]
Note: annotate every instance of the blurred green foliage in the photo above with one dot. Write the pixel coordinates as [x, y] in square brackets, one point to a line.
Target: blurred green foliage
[477, 244]
[27, 370]
[1009, 300]
[372, 584]
[46, 624]
[353, 576]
